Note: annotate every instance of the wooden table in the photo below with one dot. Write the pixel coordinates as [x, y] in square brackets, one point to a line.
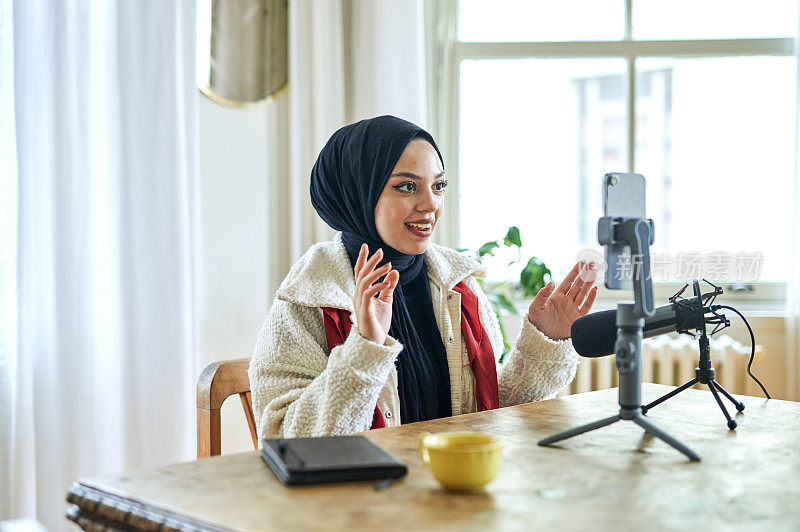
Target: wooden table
[615, 478]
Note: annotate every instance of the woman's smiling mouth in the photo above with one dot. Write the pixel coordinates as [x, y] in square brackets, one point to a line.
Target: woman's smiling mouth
[422, 229]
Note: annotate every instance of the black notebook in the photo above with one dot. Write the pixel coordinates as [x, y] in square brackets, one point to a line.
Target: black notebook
[329, 459]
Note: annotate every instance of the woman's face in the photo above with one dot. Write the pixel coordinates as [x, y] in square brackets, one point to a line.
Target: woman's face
[411, 202]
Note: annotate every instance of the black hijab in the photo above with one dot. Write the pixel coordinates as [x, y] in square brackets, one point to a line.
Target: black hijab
[346, 182]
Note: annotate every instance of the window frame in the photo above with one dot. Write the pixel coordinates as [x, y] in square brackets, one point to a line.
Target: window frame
[445, 54]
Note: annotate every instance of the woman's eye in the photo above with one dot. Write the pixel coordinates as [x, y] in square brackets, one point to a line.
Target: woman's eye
[405, 187]
[440, 186]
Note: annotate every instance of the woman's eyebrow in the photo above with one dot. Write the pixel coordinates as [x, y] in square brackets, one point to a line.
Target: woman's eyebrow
[414, 176]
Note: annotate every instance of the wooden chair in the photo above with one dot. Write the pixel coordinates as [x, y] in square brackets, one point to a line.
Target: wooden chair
[219, 381]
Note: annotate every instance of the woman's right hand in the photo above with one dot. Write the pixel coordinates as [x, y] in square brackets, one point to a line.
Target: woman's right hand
[373, 302]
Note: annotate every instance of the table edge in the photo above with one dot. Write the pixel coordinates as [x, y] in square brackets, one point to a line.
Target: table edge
[93, 507]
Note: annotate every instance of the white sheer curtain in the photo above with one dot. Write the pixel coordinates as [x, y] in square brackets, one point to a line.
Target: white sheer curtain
[793, 295]
[348, 60]
[386, 60]
[316, 109]
[8, 255]
[101, 378]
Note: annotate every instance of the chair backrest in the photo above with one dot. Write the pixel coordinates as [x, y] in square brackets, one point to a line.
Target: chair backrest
[219, 381]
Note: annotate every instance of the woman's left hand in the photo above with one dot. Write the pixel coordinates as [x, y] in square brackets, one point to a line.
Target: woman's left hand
[554, 309]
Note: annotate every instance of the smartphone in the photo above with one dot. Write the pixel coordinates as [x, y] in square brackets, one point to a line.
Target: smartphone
[623, 197]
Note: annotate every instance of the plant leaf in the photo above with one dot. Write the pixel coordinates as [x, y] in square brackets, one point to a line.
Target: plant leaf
[512, 237]
[532, 278]
[501, 302]
[487, 249]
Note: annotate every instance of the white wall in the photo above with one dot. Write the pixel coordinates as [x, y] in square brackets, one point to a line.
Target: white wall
[239, 159]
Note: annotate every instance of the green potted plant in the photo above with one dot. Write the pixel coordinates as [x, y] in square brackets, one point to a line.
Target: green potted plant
[532, 278]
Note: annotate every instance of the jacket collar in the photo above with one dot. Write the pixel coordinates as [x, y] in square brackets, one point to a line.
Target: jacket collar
[323, 276]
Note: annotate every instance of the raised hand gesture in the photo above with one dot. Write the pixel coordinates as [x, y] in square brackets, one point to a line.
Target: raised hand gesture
[373, 301]
[554, 309]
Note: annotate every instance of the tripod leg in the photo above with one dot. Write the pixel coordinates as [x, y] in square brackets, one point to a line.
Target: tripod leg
[731, 423]
[666, 438]
[674, 392]
[579, 430]
[739, 406]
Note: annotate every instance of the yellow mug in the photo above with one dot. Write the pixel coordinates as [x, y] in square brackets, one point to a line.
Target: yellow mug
[462, 461]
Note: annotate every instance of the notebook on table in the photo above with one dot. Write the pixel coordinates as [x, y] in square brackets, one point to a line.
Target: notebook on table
[329, 459]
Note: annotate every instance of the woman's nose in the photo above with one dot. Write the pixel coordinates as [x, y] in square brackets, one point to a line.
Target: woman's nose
[428, 202]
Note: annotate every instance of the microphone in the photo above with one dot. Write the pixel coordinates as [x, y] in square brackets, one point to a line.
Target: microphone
[594, 335]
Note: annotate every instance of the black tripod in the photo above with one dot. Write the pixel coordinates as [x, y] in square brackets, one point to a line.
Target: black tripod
[636, 233]
[705, 373]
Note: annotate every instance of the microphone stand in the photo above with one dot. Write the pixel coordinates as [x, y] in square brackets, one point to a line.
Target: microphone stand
[705, 373]
[638, 234]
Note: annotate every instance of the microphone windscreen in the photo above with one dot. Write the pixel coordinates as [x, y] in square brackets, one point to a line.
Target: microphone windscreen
[594, 335]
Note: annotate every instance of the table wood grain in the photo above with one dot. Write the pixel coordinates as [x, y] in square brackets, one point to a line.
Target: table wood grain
[614, 478]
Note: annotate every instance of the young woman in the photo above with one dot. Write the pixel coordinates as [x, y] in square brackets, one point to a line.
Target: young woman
[380, 326]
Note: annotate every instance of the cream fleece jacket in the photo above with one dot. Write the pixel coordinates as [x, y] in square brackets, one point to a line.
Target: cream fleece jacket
[298, 390]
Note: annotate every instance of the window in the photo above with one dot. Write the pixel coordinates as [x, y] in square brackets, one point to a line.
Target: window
[698, 96]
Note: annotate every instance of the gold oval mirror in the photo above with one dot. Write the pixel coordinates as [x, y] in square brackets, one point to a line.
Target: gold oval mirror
[242, 50]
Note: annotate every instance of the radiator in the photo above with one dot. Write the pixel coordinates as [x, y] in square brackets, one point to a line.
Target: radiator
[671, 359]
